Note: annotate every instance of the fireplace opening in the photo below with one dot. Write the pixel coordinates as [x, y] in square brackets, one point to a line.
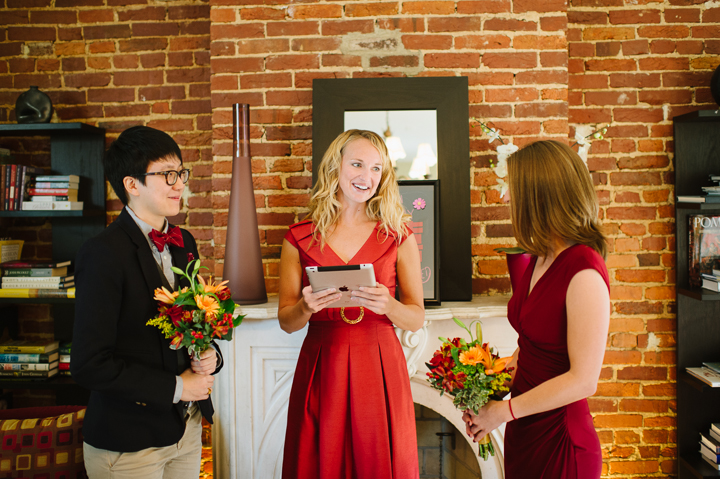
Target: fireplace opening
[443, 452]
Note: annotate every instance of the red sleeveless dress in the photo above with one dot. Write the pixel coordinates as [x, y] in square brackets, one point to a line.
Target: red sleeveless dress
[351, 413]
[561, 443]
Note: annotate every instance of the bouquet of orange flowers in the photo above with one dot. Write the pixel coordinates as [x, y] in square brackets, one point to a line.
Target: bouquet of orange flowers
[194, 316]
[470, 372]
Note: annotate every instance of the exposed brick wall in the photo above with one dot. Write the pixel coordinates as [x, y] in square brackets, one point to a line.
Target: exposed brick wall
[635, 67]
[179, 66]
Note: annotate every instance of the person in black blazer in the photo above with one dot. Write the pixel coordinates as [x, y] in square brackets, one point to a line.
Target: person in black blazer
[144, 414]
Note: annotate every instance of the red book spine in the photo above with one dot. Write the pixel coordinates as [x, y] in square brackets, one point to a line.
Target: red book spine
[11, 197]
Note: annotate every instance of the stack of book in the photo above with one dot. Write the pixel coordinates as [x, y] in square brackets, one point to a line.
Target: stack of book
[711, 281]
[709, 373]
[36, 279]
[710, 194]
[65, 350]
[53, 192]
[29, 359]
[13, 181]
[710, 446]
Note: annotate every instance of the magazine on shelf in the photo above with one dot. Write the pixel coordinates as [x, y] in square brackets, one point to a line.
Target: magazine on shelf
[710, 442]
[703, 247]
[706, 375]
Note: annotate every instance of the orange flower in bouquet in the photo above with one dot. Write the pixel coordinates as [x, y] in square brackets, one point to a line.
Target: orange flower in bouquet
[194, 316]
[470, 372]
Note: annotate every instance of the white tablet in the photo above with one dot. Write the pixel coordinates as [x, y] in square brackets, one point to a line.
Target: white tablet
[345, 279]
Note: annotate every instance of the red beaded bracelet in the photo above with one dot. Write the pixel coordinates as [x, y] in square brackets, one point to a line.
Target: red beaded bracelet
[511, 411]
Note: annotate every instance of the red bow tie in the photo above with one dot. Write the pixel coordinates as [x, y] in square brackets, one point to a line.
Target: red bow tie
[173, 236]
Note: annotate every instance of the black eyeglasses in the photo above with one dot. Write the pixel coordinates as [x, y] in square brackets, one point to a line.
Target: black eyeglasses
[171, 176]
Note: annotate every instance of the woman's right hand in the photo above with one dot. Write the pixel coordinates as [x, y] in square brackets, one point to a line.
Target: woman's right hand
[314, 302]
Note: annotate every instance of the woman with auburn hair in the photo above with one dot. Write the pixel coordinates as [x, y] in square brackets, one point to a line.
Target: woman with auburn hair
[561, 311]
[351, 412]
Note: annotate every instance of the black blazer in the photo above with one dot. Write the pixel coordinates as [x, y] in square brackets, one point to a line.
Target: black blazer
[128, 366]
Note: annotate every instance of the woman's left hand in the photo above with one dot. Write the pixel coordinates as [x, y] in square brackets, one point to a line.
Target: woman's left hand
[489, 418]
[207, 363]
[377, 300]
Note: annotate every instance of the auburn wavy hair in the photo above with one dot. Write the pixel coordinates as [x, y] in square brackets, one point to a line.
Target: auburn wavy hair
[552, 196]
[386, 204]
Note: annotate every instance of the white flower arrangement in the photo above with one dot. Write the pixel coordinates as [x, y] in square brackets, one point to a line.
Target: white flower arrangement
[584, 134]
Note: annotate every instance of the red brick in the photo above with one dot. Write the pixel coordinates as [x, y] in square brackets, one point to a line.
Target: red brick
[143, 44]
[509, 25]
[521, 6]
[34, 34]
[246, 30]
[664, 31]
[633, 467]
[554, 59]
[141, 14]
[266, 80]
[587, 18]
[640, 275]
[405, 25]
[635, 80]
[688, 15]
[478, 42]
[618, 420]
[138, 78]
[485, 6]
[510, 60]
[608, 33]
[452, 60]
[188, 75]
[428, 42]
[292, 62]
[660, 97]
[420, 7]
[611, 65]
[188, 12]
[706, 32]
[607, 49]
[648, 373]
[663, 63]
[343, 27]
[237, 65]
[456, 24]
[641, 17]
[290, 98]
[537, 42]
[125, 61]
[553, 24]
[662, 47]
[376, 9]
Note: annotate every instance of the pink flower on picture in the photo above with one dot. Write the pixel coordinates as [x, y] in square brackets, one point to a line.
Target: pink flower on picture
[419, 204]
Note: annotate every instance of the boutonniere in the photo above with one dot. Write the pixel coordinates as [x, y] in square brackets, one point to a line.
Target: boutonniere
[190, 257]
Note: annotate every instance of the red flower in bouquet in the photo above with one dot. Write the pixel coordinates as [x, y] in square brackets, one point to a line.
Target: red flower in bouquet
[470, 372]
[192, 317]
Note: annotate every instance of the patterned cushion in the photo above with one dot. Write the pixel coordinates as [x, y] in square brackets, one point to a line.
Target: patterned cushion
[42, 443]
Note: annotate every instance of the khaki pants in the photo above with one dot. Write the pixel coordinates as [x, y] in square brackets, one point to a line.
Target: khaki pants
[178, 461]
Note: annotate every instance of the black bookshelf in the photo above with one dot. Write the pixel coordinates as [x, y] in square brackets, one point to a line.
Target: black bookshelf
[75, 149]
[697, 155]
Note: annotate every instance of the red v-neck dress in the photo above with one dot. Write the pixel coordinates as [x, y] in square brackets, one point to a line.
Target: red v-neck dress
[351, 413]
[561, 443]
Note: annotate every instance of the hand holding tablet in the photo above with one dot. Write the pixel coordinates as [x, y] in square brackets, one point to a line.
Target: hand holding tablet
[344, 279]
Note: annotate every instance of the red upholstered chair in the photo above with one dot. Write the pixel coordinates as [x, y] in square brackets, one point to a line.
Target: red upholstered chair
[42, 442]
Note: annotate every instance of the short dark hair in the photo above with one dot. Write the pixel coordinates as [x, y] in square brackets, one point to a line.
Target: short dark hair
[132, 152]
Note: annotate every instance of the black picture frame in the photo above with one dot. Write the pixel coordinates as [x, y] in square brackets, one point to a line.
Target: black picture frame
[448, 96]
[425, 223]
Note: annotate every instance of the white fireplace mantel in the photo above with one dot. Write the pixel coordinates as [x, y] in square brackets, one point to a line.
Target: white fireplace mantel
[251, 392]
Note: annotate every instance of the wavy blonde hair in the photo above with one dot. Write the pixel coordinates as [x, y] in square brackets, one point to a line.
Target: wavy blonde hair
[552, 196]
[386, 204]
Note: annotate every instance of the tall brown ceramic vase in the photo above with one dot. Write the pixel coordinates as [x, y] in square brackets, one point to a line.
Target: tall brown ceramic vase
[243, 260]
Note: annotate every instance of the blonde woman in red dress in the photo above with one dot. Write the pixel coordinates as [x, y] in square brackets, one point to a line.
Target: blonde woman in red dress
[351, 414]
[561, 311]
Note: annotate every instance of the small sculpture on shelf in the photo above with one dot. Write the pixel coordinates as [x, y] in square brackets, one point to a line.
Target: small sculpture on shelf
[33, 106]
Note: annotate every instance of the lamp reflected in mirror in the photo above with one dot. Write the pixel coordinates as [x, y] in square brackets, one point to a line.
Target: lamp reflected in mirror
[423, 162]
[404, 132]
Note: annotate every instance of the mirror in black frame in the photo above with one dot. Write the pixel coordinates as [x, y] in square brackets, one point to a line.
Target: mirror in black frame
[444, 100]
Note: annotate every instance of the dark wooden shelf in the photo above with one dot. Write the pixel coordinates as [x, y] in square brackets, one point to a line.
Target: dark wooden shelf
[60, 382]
[696, 383]
[701, 294]
[698, 466]
[47, 129]
[37, 301]
[697, 206]
[52, 213]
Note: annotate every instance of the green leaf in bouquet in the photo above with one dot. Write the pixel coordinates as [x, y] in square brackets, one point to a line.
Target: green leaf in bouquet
[462, 325]
[455, 352]
[178, 271]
